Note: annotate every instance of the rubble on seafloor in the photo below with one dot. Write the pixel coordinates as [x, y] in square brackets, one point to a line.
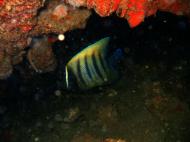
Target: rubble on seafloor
[22, 19]
[91, 138]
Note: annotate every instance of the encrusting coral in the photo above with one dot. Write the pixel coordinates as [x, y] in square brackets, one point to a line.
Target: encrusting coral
[41, 56]
[21, 20]
[134, 10]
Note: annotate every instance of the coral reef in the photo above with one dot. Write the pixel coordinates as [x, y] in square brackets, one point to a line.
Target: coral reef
[60, 11]
[52, 20]
[22, 19]
[134, 10]
[41, 56]
[16, 20]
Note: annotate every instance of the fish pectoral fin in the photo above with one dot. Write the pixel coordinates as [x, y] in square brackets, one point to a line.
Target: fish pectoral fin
[66, 77]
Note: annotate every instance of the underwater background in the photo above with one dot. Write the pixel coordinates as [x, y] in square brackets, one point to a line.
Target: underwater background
[150, 101]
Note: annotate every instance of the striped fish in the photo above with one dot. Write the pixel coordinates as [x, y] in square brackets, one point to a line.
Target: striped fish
[90, 67]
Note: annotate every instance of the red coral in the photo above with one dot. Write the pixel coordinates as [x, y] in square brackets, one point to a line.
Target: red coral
[18, 14]
[103, 7]
[136, 10]
[132, 10]
[25, 28]
[1, 2]
[179, 7]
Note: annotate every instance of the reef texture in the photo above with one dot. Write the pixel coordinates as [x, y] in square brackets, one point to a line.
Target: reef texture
[22, 19]
[134, 10]
[40, 56]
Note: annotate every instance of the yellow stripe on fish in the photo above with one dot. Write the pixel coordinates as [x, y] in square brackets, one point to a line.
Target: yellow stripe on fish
[89, 66]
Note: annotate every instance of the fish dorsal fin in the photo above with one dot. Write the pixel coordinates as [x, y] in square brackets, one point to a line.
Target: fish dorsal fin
[99, 47]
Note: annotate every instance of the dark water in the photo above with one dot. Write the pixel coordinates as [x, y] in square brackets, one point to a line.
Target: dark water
[149, 103]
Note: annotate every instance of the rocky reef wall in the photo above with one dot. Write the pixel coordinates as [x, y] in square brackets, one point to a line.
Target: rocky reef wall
[20, 20]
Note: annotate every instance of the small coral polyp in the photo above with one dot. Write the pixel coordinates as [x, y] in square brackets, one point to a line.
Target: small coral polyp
[60, 11]
[77, 3]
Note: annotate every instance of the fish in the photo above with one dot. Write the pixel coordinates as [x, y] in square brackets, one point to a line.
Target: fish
[92, 67]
